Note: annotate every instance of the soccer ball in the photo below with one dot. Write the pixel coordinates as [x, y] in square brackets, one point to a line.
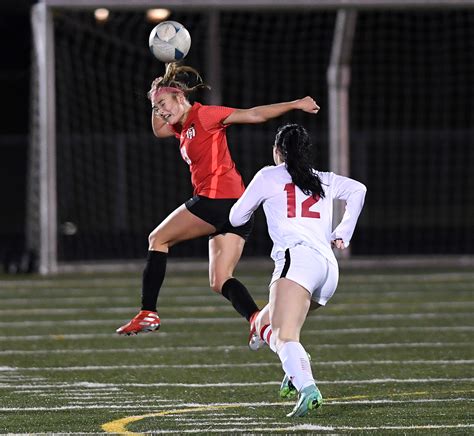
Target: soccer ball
[169, 41]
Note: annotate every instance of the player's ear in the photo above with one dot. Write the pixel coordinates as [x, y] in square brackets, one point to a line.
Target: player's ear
[181, 98]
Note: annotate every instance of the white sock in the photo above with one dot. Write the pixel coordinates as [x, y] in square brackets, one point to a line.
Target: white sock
[266, 333]
[296, 365]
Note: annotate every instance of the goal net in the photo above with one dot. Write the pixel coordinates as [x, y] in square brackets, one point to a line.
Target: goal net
[410, 112]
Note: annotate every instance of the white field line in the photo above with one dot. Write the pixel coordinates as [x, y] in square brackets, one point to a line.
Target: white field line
[275, 426]
[218, 348]
[374, 428]
[242, 429]
[222, 419]
[164, 404]
[355, 330]
[349, 298]
[120, 289]
[61, 337]
[88, 336]
[51, 389]
[215, 304]
[101, 282]
[80, 396]
[300, 427]
[129, 310]
[283, 427]
[224, 365]
[203, 294]
[183, 405]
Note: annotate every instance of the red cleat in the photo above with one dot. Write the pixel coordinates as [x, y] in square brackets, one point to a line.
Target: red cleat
[146, 321]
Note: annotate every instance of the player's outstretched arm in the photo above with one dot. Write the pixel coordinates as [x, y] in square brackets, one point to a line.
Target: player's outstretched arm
[260, 114]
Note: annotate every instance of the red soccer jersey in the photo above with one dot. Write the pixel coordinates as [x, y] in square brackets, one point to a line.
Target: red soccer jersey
[203, 145]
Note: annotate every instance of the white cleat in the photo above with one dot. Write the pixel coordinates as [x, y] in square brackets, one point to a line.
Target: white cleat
[256, 342]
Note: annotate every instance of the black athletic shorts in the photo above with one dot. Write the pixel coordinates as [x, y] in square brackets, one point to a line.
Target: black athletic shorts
[215, 211]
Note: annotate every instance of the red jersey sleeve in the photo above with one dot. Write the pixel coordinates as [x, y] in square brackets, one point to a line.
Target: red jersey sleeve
[211, 117]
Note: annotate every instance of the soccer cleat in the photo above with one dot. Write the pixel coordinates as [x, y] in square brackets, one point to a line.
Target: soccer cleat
[309, 399]
[146, 321]
[287, 388]
[255, 341]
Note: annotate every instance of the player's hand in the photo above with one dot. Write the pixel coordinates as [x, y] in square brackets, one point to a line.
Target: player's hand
[338, 243]
[308, 104]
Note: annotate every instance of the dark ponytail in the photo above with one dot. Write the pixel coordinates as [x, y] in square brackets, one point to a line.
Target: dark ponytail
[294, 145]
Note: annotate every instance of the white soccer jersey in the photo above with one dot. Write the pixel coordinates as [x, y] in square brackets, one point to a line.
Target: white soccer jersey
[294, 218]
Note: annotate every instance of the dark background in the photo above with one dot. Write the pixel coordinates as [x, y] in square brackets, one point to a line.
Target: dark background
[412, 124]
[15, 49]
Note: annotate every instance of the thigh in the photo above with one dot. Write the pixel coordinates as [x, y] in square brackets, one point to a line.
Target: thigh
[180, 225]
[289, 305]
[224, 254]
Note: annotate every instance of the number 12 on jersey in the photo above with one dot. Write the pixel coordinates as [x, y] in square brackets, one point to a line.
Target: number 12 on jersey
[305, 205]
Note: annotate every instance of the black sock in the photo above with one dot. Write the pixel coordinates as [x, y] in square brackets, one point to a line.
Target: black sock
[240, 298]
[153, 276]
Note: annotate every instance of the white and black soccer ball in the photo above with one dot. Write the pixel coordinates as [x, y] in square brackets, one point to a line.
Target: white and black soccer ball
[169, 41]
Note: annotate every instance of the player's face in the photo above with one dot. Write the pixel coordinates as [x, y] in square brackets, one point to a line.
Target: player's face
[169, 106]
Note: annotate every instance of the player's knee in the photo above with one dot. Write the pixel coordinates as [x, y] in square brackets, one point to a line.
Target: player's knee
[151, 239]
[216, 282]
[155, 242]
[216, 286]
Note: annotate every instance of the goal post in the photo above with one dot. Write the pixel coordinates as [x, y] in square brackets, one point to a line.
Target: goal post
[338, 78]
[41, 232]
[98, 181]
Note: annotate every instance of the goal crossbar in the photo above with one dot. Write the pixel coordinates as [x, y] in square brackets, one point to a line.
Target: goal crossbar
[260, 4]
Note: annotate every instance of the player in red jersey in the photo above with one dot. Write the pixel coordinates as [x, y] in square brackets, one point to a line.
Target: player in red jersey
[217, 184]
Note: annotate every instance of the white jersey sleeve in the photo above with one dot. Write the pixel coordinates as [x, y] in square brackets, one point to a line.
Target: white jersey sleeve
[353, 193]
[250, 200]
[295, 218]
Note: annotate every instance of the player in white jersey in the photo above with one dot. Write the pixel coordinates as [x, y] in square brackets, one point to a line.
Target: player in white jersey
[298, 205]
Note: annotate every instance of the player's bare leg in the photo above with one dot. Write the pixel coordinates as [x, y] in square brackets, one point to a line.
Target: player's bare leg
[289, 304]
[179, 226]
[224, 253]
[263, 328]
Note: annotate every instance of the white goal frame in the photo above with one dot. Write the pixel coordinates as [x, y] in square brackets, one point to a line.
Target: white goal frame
[338, 78]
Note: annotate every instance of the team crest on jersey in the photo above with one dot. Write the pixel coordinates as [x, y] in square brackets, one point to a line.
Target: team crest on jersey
[191, 132]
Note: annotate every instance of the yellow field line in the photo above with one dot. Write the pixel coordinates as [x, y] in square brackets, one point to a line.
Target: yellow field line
[119, 425]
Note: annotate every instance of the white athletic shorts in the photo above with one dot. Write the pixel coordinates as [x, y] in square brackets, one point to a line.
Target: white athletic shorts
[309, 269]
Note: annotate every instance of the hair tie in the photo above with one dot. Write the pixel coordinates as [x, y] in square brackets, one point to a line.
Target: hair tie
[166, 89]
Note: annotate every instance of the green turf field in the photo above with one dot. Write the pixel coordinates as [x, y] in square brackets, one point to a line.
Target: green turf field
[392, 353]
